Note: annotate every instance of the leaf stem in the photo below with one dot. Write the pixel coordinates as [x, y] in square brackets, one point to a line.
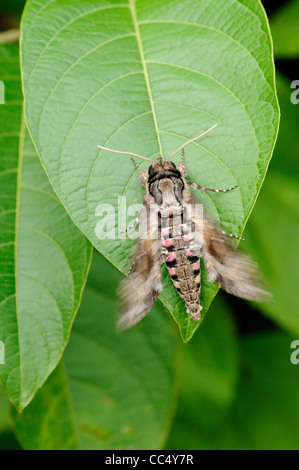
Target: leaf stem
[12, 35]
[141, 51]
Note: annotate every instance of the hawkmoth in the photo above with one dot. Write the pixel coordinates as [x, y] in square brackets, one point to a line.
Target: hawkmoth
[180, 237]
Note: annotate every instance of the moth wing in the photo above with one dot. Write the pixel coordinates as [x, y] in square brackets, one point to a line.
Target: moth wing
[138, 293]
[235, 272]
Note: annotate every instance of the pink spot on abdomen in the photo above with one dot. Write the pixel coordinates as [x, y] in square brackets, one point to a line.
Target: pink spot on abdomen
[187, 238]
[171, 271]
[196, 266]
[171, 256]
[168, 242]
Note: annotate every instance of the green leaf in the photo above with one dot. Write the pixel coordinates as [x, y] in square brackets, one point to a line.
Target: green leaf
[111, 391]
[272, 232]
[285, 31]
[44, 259]
[208, 377]
[146, 77]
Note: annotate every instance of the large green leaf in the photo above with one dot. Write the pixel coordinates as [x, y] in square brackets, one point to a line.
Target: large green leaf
[111, 391]
[44, 258]
[285, 31]
[145, 77]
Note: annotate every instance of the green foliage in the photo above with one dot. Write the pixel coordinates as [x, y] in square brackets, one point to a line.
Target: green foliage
[279, 259]
[7, 438]
[4, 415]
[285, 31]
[13, 6]
[108, 385]
[272, 231]
[265, 412]
[44, 259]
[208, 375]
[146, 77]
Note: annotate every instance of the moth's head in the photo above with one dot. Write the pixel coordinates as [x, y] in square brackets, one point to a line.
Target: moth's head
[161, 165]
[165, 183]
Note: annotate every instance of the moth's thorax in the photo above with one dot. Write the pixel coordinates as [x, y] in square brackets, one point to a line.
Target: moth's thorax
[170, 199]
[165, 183]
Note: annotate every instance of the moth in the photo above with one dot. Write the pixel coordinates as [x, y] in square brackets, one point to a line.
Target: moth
[180, 236]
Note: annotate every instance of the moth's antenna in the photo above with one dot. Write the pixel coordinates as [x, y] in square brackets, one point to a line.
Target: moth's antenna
[192, 140]
[125, 153]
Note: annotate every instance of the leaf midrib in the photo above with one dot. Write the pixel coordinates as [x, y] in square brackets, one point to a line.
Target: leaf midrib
[144, 67]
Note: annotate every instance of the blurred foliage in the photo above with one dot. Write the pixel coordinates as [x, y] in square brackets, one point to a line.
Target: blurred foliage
[7, 438]
[285, 31]
[265, 412]
[4, 413]
[15, 7]
[272, 232]
[285, 157]
[10, 13]
[236, 391]
[209, 371]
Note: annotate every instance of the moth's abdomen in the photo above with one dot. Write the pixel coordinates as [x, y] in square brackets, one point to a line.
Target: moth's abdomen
[183, 266]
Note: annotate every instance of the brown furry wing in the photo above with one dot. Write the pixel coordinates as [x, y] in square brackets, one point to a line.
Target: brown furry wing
[139, 292]
[234, 271]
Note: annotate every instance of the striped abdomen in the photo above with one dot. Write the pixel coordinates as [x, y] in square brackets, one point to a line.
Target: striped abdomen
[183, 265]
